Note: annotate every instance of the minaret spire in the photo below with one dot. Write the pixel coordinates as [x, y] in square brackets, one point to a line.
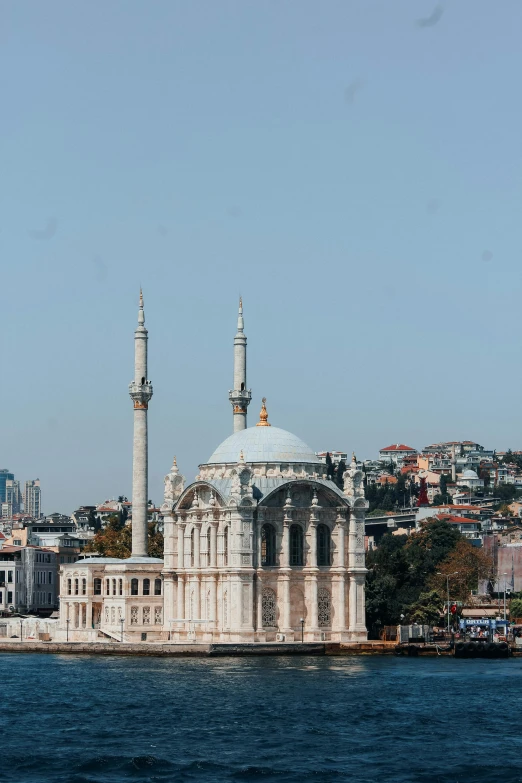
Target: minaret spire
[239, 396]
[140, 391]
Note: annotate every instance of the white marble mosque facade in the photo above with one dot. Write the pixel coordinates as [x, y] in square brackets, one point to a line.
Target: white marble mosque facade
[261, 547]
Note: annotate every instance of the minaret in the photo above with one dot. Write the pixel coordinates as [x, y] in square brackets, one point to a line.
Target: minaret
[240, 397]
[140, 391]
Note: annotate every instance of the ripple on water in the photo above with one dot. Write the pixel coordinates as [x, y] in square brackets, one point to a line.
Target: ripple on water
[110, 720]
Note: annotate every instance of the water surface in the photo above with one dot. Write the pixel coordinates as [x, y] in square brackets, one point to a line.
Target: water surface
[96, 719]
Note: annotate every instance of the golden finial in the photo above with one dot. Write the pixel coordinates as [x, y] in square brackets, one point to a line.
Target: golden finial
[263, 416]
[174, 461]
[241, 456]
[240, 302]
[354, 458]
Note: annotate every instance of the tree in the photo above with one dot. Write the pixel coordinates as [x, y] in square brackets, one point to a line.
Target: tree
[515, 608]
[329, 466]
[443, 488]
[116, 541]
[423, 494]
[506, 492]
[438, 500]
[341, 468]
[427, 609]
[466, 566]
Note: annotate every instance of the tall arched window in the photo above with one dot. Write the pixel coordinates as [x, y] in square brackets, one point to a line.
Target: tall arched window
[84, 586]
[323, 545]
[121, 586]
[146, 587]
[114, 586]
[134, 587]
[296, 545]
[97, 586]
[157, 587]
[76, 587]
[107, 587]
[192, 548]
[69, 587]
[225, 547]
[268, 545]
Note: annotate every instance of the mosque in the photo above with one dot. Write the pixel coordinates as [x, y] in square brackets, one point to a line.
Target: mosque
[262, 546]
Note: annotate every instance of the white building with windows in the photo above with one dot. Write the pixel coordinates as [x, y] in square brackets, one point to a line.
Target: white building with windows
[28, 579]
[260, 547]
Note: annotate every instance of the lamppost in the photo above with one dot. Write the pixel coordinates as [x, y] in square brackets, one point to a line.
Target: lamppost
[121, 623]
[67, 622]
[439, 573]
[21, 629]
[302, 629]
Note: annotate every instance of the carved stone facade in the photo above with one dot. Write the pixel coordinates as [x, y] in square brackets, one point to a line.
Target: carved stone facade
[252, 549]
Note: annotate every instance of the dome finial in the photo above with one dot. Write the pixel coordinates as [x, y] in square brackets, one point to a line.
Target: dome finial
[263, 416]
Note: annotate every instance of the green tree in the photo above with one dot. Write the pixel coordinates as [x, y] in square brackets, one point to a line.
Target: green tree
[438, 500]
[506, 492]
[515, 608]
[427, 609]
[341, 468]
[116, 541]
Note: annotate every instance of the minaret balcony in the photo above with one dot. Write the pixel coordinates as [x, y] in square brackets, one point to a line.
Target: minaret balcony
[240, 398]
[140, 393]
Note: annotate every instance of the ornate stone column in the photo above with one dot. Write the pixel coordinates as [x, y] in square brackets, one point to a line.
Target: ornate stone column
[181, 596]
[213, 544]
[259, 603]
[357, 574]
[197, 544]
[181, 545]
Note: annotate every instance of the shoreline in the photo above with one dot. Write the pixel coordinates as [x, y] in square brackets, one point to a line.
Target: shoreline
[173, 649]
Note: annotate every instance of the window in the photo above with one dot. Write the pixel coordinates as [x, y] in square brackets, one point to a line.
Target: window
[268, 545]
[324, 608]
[84, 586]
[134, 609]
[17, 542]
[157, 615]
[296, 545]
[269, 608]
[50, 577]
[97, 586]
[107, 587]
[2, 577]
[157, 587]
[146, 615]
[146, 587]
[1, 596]
[134, 588]
[121, 586]
[225, 547]
[69, 590]
[114, 586]
[9, 576]
[50, 598]
[9, 597]
[323, 545]
[76, 587]
[192, 548]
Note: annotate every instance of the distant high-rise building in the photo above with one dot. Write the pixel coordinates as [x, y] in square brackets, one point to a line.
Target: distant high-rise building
[33, 498]
[4, 477]
[13, 495]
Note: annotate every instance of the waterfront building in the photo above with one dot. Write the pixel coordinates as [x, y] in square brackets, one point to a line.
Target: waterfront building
[261, 546]
[28, 579]
[33, 498]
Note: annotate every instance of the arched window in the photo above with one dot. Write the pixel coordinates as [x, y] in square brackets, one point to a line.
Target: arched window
[268, 545]
[324, 608]
[225, 547]
[146, 587]
[323, 545]
[84, 586]
[134, 587]
[76, 587]
[296, 545]
[107, 587]
[114, 586]
[269, 608]
[192, 548]
[69, 587]
[157, 587]
[97, 586]
[121, 586]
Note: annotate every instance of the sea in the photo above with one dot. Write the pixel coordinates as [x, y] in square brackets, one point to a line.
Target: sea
[97, 719]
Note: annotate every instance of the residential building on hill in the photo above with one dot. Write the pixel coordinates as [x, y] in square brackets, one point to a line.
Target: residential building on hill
[396, 453]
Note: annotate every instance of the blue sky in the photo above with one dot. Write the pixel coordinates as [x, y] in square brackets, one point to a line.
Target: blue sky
[355, 176]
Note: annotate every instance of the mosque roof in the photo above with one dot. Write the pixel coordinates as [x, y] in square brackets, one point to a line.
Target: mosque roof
[263, 444]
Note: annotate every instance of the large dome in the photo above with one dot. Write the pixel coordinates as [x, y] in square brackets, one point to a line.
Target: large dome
[263, 444]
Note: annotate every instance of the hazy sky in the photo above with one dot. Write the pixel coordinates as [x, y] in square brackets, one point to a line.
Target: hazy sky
[354, 175]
